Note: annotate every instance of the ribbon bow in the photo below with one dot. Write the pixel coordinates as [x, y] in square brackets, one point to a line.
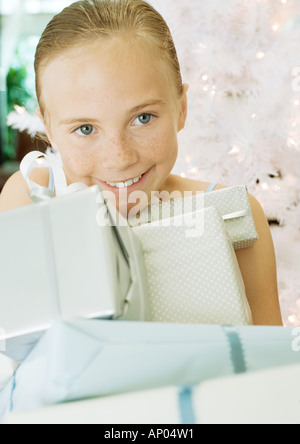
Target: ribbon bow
[57, 182]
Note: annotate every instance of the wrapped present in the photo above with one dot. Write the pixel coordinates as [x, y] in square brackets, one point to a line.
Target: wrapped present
[260, 397]
[232, 203]
[62, 259]
[264, 397]
[192, 271]
[7, 369]
[87, 359]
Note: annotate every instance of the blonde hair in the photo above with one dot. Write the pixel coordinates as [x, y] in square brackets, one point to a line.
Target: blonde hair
[89, 20]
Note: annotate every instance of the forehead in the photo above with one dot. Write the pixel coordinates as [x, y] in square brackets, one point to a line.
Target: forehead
[103, 74]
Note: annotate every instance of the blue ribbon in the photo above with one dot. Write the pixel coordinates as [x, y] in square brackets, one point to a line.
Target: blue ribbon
[11, 406]
[186, 407]
[239, 365]
[236, 350]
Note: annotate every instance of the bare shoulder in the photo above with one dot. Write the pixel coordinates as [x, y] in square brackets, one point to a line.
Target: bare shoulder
[259, 270]
[15, 193]
[257, 210]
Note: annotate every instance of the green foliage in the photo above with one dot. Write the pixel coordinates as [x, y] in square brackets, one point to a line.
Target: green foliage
[16, 95]
[16, 90]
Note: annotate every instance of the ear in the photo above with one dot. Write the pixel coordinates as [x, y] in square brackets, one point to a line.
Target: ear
[38, 112]
[183, 108]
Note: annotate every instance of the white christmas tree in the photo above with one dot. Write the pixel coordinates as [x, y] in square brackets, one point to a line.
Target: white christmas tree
[241, 60]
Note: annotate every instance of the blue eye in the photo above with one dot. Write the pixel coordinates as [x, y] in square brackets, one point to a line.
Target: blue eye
[85, 130]
[143, 119]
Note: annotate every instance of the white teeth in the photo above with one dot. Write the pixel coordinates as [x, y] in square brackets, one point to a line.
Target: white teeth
[129, 183]
[124, 184]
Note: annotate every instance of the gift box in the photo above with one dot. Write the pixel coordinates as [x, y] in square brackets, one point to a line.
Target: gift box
[87, 359]
[192, 270]
[260, 397]
[66, 265]
[62, 259]
[232, 203]
[7, 369]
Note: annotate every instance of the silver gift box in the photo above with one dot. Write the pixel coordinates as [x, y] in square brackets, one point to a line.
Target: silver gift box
[192, 270]
[232, 203]
[65, 259]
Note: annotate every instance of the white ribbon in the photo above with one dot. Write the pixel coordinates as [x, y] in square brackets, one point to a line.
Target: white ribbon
[57, 183]
[235, 215]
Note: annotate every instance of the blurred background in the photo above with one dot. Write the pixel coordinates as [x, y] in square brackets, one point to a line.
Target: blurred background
[22, 23]
[241, 59]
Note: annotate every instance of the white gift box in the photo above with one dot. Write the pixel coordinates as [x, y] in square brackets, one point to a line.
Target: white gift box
[264, 397]
[234, 206]
[79, 360]
[7, 369]
[62, 259]
[232, 203]
[192, 270]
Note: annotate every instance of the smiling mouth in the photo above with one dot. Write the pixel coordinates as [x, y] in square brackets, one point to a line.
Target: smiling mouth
[125, 184]
[132, 183]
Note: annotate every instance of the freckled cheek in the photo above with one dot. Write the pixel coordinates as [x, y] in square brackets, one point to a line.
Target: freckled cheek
[79, 165]
[77, 160]
[163, 147]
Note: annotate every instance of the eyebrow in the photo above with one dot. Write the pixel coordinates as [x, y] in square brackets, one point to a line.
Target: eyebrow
[134, 110]
[146, 104]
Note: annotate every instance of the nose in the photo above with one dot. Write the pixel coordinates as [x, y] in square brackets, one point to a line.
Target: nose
[119, 153]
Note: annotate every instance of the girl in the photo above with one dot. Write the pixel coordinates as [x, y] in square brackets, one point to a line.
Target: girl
[112, 99]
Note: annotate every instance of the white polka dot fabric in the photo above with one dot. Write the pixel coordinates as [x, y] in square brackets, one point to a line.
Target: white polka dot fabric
[193, 279]
[241, 230]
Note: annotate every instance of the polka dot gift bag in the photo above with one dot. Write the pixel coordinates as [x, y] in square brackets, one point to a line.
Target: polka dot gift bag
[192, 270]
